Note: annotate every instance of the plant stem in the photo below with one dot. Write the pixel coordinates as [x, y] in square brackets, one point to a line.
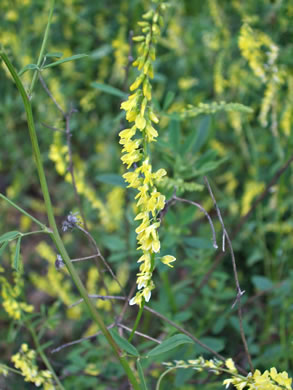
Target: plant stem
[43, 355]
[52, 223]
[4, 367]
[139, 314]
[34, 232]
[44, 227]
[43, 47]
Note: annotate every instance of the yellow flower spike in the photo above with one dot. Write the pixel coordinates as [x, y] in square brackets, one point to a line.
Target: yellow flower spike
[149, 201]
[25, 361]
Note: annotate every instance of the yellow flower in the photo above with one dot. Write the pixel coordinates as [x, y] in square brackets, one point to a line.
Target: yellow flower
[230, 365]
[281, 378]
[167, 260]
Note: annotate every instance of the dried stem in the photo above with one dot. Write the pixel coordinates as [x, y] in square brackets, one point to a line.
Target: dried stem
[139, 333]
[99, 254]
[52, 128]
[219, 258]
[93, 337]
[84, 258]
[97, 296]
[239, 291]
[202, 210]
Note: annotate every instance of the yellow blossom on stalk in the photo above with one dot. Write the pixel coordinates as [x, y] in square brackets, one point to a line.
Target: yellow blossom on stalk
[135, 154]
[269, 380]
[3, 370]
[25, 361]
[11, 296]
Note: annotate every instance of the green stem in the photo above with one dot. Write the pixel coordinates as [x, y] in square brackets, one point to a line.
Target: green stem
[34, 232]
[220, 369]
[43, 47]
[43, 355]
[44, 227]
[162, 376]
[4, 367]
[55, 233]
[139, 314]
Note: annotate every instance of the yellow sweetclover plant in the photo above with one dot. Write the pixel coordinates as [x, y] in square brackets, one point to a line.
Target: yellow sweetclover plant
[25, 361]
[268, 380]
[135, 153]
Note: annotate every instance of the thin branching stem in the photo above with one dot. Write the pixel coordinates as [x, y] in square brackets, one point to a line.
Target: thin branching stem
[92, 337]
[205, 213]
[239, 291]
[219, 258]
[43, 48]
[139, 333]
[99, 254]
[44, 227]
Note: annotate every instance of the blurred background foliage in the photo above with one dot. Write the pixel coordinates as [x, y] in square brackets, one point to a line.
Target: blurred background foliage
[213, 51]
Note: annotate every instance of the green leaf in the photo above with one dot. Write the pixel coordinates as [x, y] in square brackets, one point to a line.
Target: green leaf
[169, 344]
[189, 142]
[46, 345]
[101, 52]
[114, 242]
[28, 67]
[109, 89]
[16, 254]
[174, 134]
[262, 283]
[9, 236]
[198, 243]
[141, 375]
[168, 99]
[111, 178]
[67, 59]
[214, 343]
[55, 54]
[2, 249]
[123, 343]
[202, 133]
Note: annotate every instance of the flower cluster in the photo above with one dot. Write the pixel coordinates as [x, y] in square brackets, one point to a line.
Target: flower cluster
[269, 380]
[25, 361]
[263, 64]
[135, 141]
[11, 296]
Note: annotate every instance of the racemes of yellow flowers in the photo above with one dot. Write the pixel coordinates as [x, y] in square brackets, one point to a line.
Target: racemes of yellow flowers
[269, 380]
[25, 361]
[135, 153]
